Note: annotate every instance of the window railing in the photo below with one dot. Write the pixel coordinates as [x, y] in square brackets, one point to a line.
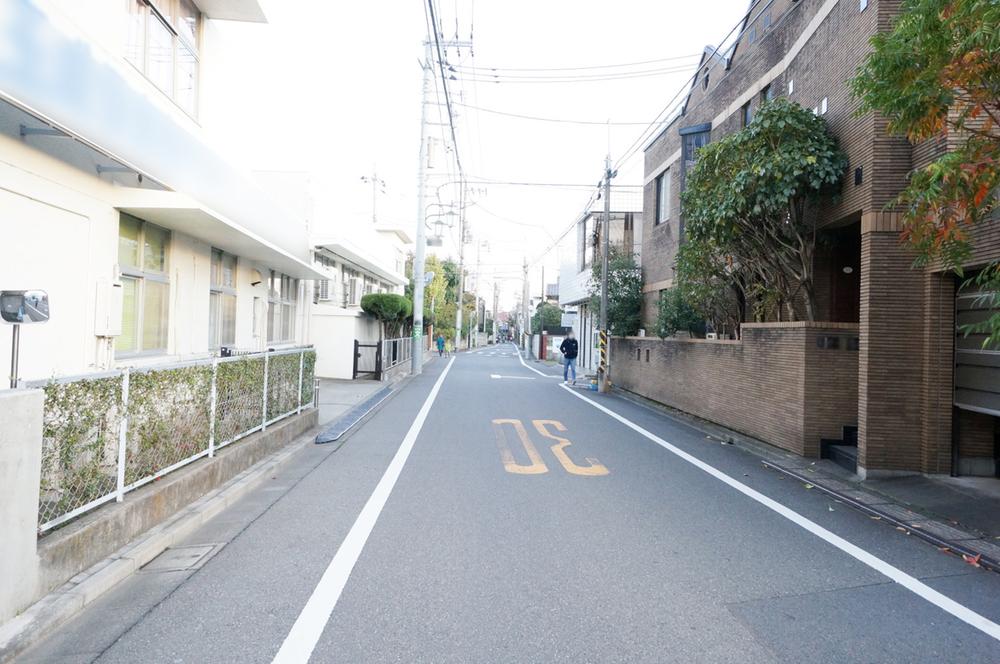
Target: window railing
[110, 433]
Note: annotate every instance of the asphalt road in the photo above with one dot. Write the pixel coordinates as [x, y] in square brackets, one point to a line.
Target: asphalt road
[526, 524]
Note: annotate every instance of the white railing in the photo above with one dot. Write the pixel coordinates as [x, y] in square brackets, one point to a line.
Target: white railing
[109, 433]
[395, 352]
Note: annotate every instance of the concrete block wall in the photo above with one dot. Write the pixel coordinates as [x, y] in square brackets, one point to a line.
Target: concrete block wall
[20, 474]
[775, 384]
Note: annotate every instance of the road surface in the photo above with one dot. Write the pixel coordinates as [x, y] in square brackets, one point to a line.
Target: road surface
[488, 514]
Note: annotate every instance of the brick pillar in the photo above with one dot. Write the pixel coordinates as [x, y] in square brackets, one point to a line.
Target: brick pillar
[890, 367]
[938, 367]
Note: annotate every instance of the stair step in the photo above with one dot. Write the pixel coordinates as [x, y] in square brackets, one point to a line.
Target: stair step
[844, 455]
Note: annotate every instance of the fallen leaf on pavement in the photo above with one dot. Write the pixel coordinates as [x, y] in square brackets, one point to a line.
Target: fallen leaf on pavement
[808, 486]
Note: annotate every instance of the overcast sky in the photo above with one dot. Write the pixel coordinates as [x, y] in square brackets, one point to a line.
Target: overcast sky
[333, 89]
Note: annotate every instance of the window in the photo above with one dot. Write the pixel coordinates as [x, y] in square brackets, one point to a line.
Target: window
[767, 93]
[282, 300]
[587, 239]
[222, 300]
[142, 256]
[162, 42]
[747, 114]
[767, 19]
[791, 85]
[324, 292]
[704, 82]
[822, 107]
[752, 35]
[862, 5]
[352, 281]
[663, 197]
[690, 146]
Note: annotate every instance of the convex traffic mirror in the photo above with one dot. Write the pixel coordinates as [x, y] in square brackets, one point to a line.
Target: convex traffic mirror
[27, 306]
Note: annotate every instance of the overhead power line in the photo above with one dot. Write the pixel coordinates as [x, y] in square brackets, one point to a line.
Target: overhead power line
[582, 68]
[558, 120]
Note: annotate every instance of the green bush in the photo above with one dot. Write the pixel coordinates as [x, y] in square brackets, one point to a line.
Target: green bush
[390, 309]
[675, 314]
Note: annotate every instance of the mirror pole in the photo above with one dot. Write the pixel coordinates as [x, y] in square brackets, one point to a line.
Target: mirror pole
[14, 350]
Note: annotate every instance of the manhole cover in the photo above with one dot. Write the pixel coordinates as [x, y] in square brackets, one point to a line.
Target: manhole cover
[179, 558]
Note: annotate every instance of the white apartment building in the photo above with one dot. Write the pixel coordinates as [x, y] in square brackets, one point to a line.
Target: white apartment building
[372, 261]
[152, 245]
[576, 258]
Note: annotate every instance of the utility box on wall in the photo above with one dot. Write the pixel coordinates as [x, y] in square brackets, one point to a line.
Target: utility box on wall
[108, 308]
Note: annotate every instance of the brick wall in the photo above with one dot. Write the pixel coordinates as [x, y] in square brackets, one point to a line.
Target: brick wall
[775, 384]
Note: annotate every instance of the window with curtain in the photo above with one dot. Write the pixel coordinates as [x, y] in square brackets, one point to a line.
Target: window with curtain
[222, 300]
[161, 40]
[663, 197]
[142, 256]
[283, 295]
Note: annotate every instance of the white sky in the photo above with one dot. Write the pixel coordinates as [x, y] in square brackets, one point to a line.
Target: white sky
[333, 88]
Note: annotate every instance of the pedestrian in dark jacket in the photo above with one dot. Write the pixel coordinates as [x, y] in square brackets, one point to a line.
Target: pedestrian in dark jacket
[569, 348]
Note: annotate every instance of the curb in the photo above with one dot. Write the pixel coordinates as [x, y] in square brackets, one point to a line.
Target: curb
[947, 538]
[58, 607]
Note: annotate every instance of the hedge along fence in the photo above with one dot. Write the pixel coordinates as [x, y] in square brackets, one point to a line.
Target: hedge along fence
[107, 434]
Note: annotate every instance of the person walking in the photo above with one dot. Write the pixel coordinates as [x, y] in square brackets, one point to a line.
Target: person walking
[569, 348]
[440, 345]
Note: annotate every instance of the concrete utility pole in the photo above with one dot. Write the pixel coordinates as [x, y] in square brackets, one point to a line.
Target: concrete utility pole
[525, 318]
[417, 352]
[496, 312]
[605, 238]
[461, 266]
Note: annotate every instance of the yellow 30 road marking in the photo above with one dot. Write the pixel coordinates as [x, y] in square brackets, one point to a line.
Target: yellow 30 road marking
[558, 450]
[536, 467]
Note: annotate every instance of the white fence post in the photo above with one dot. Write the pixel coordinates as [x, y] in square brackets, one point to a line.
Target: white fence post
[263, 423]
[122, 439]
[213, 408]
[302, 359]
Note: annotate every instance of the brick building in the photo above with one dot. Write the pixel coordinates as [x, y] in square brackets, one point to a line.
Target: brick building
[927, 400]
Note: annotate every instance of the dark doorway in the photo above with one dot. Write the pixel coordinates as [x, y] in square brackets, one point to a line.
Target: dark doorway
[845, 274]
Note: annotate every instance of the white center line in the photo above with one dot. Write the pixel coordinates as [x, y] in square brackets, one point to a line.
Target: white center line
[298, 645]
[912, 584]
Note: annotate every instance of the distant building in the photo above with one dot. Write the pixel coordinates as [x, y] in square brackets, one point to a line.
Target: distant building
[577, 256]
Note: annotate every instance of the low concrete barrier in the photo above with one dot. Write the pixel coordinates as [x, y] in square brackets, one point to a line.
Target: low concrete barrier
[788, 384]
[67, 551]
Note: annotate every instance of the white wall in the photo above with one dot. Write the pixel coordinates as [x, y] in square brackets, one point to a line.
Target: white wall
[333, 331]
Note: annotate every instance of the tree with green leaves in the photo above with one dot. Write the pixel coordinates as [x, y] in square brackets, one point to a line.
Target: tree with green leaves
[390, 309]
[936, 75]
[624, 292]
[675, 314]
[546, 315]
[750, 201]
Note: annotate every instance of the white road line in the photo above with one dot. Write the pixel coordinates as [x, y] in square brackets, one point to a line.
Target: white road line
[298, 645]
[523, 364]
[912, 584]
[513, 377]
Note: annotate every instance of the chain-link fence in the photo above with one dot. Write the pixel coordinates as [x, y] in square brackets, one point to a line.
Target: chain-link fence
[106, 434]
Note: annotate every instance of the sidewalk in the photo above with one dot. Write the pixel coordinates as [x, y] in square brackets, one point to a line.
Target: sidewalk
[337, 396]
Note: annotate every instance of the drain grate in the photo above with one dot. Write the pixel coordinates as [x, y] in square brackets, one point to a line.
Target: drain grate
[180, 558]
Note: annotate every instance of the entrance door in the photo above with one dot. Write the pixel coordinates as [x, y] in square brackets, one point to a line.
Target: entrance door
[977, 378]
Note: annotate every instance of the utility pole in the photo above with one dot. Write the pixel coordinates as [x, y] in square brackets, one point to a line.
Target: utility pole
[376, 185]
[461, 265]
[496, 312]
[605, 238]
[525, 318]
[417, 351]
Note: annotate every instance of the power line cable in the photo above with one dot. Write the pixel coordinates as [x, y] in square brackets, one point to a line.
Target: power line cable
[582, 68]
[558, 120]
